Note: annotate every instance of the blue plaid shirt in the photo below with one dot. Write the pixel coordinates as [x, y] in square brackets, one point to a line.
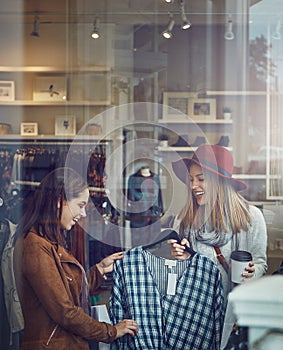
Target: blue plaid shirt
[192, 319]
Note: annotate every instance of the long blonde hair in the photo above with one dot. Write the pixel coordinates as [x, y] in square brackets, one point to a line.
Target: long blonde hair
[225, 209]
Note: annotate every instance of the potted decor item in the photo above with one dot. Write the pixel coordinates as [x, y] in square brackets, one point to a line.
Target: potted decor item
[163, 140]
[227, 113]
[93, 129]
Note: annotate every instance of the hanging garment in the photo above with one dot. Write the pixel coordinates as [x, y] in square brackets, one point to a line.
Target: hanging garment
[12, 302]
[191, 318]
[145, 207]
[4, 321]
[144, 194]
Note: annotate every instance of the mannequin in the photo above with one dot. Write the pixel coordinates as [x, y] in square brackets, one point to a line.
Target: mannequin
[145, 205]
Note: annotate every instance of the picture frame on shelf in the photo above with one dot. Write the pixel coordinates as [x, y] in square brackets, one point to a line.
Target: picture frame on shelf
[202, 108]
[29, 129]
[7, 90]
[65, 125]
[50, 88]
[176, 104]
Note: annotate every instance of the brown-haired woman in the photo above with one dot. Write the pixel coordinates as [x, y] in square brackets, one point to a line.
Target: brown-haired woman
[51, 283]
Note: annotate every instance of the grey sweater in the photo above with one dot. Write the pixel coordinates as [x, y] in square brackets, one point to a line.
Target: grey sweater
[254, 241]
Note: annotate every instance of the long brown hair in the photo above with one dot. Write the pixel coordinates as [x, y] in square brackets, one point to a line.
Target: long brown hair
[45, 210]
[224, 210]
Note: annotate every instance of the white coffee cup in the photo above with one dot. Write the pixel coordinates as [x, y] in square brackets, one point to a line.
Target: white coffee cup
[239, 261]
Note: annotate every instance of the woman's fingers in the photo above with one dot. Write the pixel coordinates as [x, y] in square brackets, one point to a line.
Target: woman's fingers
[178, 250]
[127, 327]
[249, 270]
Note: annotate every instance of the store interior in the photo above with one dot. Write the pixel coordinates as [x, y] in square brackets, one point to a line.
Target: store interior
[97, 85]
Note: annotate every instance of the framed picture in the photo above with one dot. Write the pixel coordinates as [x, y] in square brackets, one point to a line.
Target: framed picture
[50, 88]
[29, 129]
[7, 90]
[202, 108]
[65, 125]
[176, 104]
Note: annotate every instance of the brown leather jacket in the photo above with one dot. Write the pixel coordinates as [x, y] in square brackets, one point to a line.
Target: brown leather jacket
[49, 283]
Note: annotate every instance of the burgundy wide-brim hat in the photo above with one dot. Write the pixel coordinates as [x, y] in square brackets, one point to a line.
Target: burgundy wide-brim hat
[214, 158]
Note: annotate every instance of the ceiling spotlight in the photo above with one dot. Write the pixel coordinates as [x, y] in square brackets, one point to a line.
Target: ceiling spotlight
[35, 31]
[95, 32]
[186, 24]
[277, 35]
[167, 33]
[169, 1]
[229, 35]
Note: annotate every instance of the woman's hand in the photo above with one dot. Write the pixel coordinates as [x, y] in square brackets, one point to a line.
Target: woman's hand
[178, 250]
[107, 264]
[249, 270]
[126, 327]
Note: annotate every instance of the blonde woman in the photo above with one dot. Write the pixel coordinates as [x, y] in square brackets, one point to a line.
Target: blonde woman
[217, 219]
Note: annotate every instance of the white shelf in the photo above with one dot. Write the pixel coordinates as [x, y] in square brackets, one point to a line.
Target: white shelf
[176, 149]
[181, 149]
[24, 103]
[20, 139]
[190, 121]
[58, 70]
[235, 93]
[253, 176]
[53, 69]
[36, 183]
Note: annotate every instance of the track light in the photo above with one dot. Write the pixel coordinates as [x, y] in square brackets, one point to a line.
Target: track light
[277, 35]
[167, 33]
[95, 32]
[35, 31]
[185, 22]
[229, 35]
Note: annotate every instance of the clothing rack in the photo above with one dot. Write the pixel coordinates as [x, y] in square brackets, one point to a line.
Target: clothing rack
[34, 150]
[25, 161]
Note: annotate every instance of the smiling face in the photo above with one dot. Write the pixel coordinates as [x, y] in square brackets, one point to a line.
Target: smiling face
[74, 209]
[197, 183]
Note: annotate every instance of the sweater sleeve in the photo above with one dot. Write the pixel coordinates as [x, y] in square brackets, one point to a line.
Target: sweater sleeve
[259, 241]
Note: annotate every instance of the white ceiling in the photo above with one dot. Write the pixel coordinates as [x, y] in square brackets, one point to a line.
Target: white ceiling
[117, 11]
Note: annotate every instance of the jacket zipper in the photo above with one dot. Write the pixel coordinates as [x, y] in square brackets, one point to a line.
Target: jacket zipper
[55, 328]
[51, 335]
